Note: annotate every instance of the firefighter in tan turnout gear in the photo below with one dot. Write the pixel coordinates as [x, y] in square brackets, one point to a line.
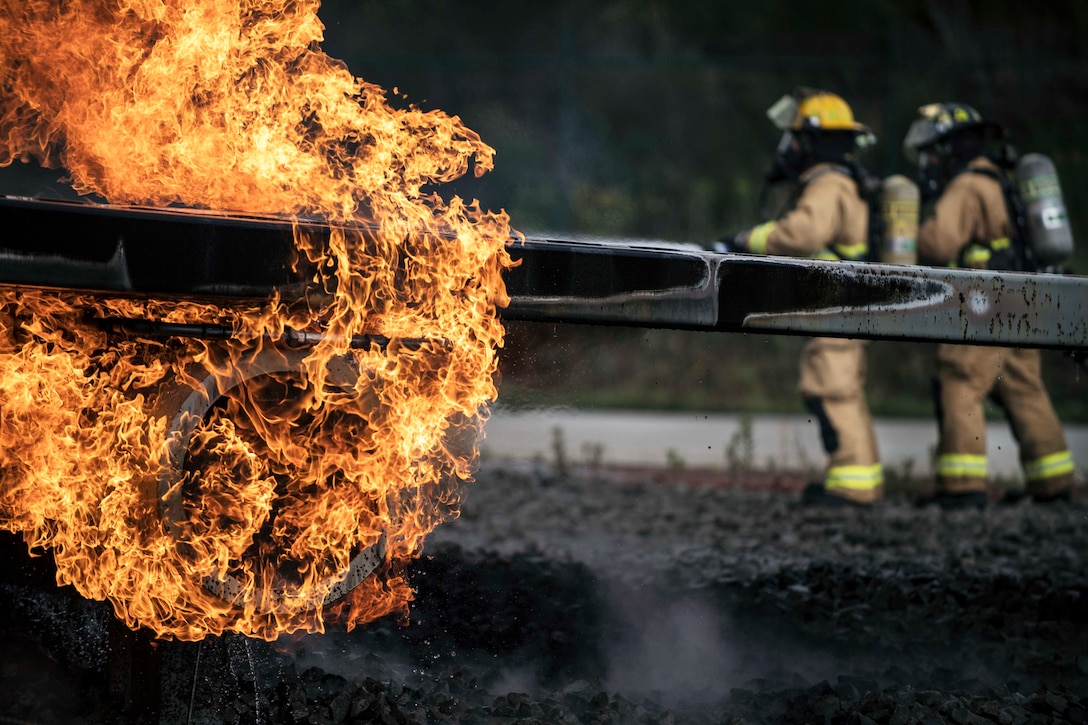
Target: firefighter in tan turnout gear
[964, 169]
[826, 219]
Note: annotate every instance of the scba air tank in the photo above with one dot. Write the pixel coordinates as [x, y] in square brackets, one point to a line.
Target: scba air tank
[1049, 235]
[899, 206]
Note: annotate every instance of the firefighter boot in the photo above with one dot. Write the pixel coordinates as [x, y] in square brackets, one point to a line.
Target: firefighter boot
[816, 495]
[956, 501]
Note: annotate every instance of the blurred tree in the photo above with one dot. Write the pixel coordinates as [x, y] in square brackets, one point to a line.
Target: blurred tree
[644, 118]
[639, 118]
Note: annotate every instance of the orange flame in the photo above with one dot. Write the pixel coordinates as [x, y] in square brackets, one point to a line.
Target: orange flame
[206, 487]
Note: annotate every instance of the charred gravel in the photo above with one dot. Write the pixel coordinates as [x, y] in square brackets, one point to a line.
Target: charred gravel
[583, 598]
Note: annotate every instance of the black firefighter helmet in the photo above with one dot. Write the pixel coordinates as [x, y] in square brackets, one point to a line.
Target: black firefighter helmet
[945, 138]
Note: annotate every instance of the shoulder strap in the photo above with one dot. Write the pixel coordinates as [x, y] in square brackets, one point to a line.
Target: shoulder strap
[1018, 227]
[869, 189]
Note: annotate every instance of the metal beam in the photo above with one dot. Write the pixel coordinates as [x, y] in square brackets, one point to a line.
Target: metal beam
[215, 256]
[613, 283]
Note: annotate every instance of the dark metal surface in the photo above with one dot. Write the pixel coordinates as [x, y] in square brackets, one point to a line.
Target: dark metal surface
[173, 252]
[670, 287]
[144, 251]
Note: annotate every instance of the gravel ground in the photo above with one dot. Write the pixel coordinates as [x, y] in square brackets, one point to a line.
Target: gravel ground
[583, 598]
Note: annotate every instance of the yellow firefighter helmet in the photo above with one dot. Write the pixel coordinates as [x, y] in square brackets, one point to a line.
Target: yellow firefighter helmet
[811, 109]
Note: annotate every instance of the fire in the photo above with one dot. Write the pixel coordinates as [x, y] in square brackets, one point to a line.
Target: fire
[246, 484]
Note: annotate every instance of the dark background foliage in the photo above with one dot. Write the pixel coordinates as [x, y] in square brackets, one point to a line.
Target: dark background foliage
[646, 119]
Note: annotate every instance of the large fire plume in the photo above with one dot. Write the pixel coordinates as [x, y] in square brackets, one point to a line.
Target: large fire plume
[246, 511]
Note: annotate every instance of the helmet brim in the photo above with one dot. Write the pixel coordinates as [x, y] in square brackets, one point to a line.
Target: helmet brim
[926, 132]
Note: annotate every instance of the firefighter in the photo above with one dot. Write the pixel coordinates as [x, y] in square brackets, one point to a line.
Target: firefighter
[963, 164]
[826, 219]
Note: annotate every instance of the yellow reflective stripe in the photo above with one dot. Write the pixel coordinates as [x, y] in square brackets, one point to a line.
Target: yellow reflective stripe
[1056, 464]
[855, 478]
[757, 240]
[851, 251]
[961, 464]
[839, 252]
[976, 254]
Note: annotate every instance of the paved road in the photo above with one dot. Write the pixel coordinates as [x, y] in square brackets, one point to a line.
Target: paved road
[699, 439]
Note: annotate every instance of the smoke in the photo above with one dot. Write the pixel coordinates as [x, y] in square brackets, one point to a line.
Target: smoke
[687, 648]
[673, 646]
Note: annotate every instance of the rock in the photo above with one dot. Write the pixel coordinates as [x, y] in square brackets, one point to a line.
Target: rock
[592, 600]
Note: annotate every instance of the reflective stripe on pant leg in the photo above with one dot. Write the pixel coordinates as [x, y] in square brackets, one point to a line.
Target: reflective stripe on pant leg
[961, 465]
[860, 484]
[961, 472]
[1050, 475]
[1056, 464]
[855, 478]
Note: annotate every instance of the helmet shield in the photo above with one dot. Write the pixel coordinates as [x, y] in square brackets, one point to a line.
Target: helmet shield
[922, 133]
[784, 112]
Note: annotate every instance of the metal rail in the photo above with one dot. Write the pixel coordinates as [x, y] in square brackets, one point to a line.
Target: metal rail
[223, 257]
[691, 289]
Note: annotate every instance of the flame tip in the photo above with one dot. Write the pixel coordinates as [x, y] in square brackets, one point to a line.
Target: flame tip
[204, 485]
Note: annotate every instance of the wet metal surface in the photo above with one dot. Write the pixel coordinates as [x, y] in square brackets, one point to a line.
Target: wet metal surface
[617, 284]
[211, 255]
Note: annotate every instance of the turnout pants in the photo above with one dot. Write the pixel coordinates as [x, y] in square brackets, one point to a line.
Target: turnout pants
[833, 388]
[966, 375]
